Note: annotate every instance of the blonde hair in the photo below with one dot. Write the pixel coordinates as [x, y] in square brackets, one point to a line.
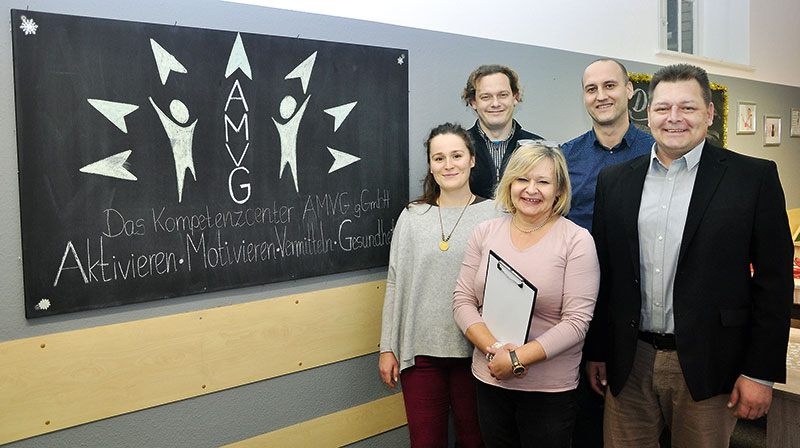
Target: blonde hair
[522, 161]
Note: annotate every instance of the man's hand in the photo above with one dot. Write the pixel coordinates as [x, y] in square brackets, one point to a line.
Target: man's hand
[596, 373]
[749, 399]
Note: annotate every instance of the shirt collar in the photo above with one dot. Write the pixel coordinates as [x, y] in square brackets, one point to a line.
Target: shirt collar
[628, 138]
[514, 125]
[692, 157]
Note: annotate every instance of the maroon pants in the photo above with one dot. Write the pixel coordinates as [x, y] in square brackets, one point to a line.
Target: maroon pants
[431, 388]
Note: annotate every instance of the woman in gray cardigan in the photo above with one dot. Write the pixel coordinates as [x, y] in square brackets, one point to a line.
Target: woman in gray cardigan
[420, 342]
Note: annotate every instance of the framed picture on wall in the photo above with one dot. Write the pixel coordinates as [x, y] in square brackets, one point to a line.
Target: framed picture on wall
[746, 118]
[794, 130]
[772, 130]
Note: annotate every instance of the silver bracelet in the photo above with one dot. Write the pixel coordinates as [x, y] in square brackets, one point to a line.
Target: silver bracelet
[498, 344]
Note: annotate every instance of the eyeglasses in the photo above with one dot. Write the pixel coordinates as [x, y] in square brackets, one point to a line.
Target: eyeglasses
[546, 143]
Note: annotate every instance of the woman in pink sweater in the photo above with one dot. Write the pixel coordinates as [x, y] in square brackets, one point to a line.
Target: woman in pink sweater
[526, 394]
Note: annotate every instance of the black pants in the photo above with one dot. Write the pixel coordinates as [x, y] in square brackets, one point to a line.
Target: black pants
[588, 431]
[512, 418]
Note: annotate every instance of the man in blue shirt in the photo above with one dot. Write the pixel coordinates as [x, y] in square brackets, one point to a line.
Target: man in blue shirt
[613, 138]
[493, 91]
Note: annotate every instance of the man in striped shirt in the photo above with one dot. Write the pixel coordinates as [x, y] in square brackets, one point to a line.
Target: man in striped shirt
[493, 92]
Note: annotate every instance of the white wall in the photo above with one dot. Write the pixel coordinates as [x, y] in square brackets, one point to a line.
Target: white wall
[726, 30]
[624, 29]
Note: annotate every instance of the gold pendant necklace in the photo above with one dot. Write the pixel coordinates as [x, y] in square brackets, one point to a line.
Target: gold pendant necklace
[444, 245]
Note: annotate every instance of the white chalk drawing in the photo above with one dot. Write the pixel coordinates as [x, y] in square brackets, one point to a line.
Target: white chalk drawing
[113, 111]
[288, 134]
[340, 113]
[165, 62]
[28, 26]
[401, 59]
[181, 134]
[237, 94]
[180, 138]
[303, 71]
[112, 166]
[341, 159]
[238, 59]
[43, 304]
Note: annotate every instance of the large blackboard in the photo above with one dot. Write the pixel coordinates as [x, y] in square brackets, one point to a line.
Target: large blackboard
[717, 132]
[159, 161]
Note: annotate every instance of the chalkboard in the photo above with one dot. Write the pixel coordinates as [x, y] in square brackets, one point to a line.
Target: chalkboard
[158, 161]
[637, 108]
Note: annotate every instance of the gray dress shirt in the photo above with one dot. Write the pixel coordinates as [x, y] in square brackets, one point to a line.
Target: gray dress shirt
[662, 217]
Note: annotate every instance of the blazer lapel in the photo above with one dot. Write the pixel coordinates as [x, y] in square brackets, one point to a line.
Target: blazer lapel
[709, 174]
[632, 198]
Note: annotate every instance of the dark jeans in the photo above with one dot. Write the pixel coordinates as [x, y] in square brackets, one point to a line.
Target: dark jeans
[512, 418]
[431, 388]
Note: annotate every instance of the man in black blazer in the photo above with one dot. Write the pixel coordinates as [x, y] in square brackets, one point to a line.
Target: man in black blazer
[683, 334]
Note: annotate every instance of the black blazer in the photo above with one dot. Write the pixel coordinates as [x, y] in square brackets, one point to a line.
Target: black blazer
[727, 322]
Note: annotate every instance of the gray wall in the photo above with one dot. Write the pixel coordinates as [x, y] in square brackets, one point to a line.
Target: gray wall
[438, 66]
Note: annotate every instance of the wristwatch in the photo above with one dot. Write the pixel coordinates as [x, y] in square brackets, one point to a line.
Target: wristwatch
[516, 367]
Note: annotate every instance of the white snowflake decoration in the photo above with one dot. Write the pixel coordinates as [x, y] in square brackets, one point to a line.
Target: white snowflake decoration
[28, 26]
[401, 59]
[43, 304]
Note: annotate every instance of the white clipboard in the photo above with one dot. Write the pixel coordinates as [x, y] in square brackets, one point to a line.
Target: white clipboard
[508, 301]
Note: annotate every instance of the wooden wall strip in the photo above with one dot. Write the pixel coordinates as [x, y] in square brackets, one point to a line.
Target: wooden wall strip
[66, 379]
[337, 429]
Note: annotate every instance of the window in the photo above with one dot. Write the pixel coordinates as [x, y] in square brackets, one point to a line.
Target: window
[717, 30]
[681, 17]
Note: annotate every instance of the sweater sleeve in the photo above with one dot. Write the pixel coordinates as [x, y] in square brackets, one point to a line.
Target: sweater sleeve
[465, 297]
[581, 282]
[397, 257]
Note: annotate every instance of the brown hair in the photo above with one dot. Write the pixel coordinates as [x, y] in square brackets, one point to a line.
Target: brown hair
[682, 72]
[430, 189]
[468, 95]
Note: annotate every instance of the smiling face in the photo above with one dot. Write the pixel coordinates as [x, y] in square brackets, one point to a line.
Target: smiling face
[534, 193]
[494, 102]
[678, 117]
[606, 93]
[450, 162]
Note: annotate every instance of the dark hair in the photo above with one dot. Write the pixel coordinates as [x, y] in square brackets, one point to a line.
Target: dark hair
[430, 189]
[484, 70]
[625, 77]
[681, 72]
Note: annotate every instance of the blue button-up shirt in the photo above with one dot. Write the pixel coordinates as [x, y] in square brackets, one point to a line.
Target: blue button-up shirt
[586, 157]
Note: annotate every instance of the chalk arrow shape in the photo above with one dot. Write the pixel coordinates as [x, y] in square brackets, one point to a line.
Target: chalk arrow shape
[238, 59]
[303, 71]
[112, 166]
[113, 111]
[341, 159]
[165, 62]
[340, 113]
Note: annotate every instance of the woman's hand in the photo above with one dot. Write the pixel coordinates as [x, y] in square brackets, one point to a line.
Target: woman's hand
[387, 365]
[500, 365]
